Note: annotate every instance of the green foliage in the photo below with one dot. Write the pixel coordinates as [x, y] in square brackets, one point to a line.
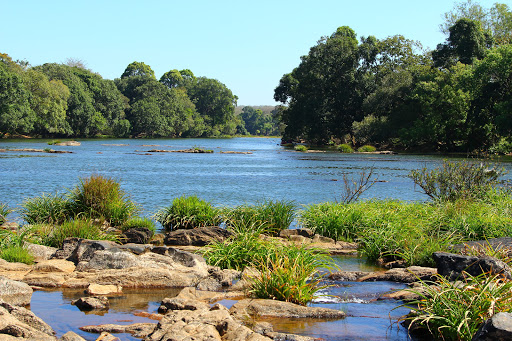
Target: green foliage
[455, 180]
[138, 69]
[101, 197]
[256, 122]
[301, 148]
[271, 216]
[289, 274]
[54, 235]
[456, 310]
[366, 149]
[48, 208]
[139, 222]
[4, 212]
[17, 254]
[345, 148]
[188, 212]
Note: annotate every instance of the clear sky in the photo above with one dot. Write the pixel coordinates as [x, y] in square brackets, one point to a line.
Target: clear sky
[247, 45]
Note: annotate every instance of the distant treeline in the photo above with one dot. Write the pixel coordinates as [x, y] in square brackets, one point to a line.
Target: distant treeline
[68, 100]
[390, 92]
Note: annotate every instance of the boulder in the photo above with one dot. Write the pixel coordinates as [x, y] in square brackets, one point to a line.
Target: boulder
[54, 265]
[107, 337]
[97, 289]
[402, 275]
[79, 250]
[200, 236]
[497, 328]
[137, 235]
[209, 284]
[169, 304]
[272, 308]
[92, 303]
[452, 265]
[19, 322]
[15, 292]
[347, 276]
[71, 336]
[41, 252]
[308, 233]
[224, 276]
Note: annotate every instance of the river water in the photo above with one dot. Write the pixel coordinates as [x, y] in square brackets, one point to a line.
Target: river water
[269, 172]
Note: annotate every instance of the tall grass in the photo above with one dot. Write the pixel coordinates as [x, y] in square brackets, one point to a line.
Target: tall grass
[48, 208]
[455, 310]
[4, 212]
[101, 197]
[271, 216]
[139, 222]
[12, 246]
[188, 212]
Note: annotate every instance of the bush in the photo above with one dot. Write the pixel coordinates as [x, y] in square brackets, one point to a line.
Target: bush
[344, 148]
[48, 208]
[457, 180]
[4, 212]
[139, 222]
[54, 236]
[366, 149]
[271, 216]
[18, 254]
[456, 310]
[300, 148]
[188, 212]
[103, 198]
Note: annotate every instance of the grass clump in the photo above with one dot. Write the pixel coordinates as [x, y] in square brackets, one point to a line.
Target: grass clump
[344, 148]
[12, 246]
[366, 149]
[457, 180]
[271, 216]
[139, 222]
[455, 310]
[48, 208]
[301, 148]
[101, 197]
[4, 212]
[188, 212]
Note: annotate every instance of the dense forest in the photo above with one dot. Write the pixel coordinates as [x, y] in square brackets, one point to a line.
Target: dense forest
[392, 93]
[68, 100]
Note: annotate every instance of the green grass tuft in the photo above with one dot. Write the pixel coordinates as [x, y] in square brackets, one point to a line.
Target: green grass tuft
[366, 149]
[344, 148]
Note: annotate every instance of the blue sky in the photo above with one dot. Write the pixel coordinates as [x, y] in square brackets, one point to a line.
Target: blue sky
[246, 45]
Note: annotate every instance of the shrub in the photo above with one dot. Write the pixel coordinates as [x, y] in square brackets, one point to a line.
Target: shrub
[79, 228]
[139, 222]
[353, 189]
[300, 148]
[366, 149]
[18, 254]
[4, 212]
[456, 180]
[271, 216]
[48, 208]
[290, 274]
[455, 310]
[188, 212]
[101, 197]
[344, 148]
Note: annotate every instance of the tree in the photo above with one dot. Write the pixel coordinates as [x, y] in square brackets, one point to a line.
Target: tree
[172, 79]
[138, 69]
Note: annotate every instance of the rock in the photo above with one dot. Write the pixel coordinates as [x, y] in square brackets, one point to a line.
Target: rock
[137, 235]
[71, 336]
[92, 303]
[407, 275]
[22, 323]
[15, 292]
[68, 143]
[200, 236]
[158, 239]
[452, 265]
[175, 303]
[136, 249]
[107, 337]
[79, 250]
[272, 308]
[209, 284]
[497, 328]
[139, 330]
[224, 276]
[321, 239]
[97, 289]
[54, 265]
[41, 252]
[308, 233]
[347, 276]
[190, 293]
[10, 225]
[47, 279]
[299, 239]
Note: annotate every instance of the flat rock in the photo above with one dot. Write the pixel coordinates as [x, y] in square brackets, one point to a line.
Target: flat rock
[97, 289]
[175, 303]
[54, 265]
[272, 308]
[15, 292]
[402, 275]
[71, 336]
[200, 236]
[139, 330]
[21, 323]
[347, 276]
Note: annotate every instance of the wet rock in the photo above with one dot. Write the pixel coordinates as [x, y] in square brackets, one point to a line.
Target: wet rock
[137, 235]
[175, 303]
[200, 236]
[272, 308]
[71, 336]
[347, 276]
[92, 303]
[97, 289]
[15, 292]
[452, 265]
[497, 328]
[407, 275]
[19, 322]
